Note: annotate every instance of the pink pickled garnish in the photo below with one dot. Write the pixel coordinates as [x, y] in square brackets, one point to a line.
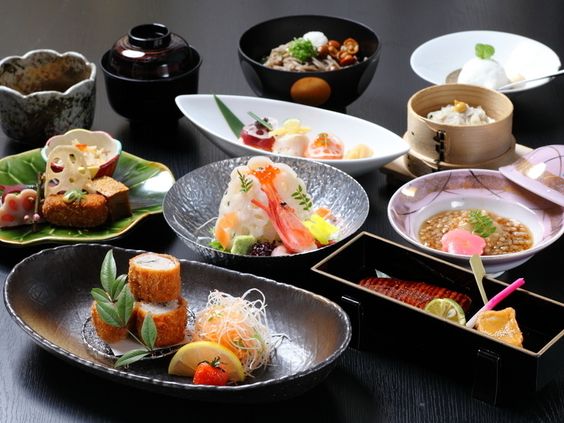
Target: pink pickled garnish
[460, 241]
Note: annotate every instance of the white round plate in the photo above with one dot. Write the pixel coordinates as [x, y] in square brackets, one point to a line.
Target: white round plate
[202, 111]
[436, 59]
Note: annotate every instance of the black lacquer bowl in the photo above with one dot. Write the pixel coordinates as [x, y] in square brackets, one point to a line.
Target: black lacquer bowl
[52, 310]
[330, 89]
[146, 69]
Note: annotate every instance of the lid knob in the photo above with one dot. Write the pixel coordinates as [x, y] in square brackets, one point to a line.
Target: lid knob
[149, 36]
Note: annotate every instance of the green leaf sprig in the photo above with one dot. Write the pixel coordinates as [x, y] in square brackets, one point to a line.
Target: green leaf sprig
[246, 183]
[482, 224]
[262, 121]
[484, 51]
[114, 304]
[300, 195]
[216, 245]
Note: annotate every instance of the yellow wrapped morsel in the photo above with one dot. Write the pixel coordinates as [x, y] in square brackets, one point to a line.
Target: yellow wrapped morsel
[502, 325]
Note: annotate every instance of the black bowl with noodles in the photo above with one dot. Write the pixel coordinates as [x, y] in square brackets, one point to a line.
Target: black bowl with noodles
[328, 89]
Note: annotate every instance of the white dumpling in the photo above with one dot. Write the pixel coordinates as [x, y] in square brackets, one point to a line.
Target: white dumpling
[291, 144]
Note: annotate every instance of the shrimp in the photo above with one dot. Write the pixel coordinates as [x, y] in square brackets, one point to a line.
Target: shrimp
[293, 233]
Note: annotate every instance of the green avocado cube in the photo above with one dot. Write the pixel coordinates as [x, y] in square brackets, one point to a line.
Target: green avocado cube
[242, 244]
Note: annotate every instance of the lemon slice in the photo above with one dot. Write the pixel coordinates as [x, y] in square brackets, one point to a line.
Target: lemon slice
[187, 358]
[446, 308]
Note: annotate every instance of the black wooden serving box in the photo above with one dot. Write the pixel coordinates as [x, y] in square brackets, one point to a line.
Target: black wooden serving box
[496, 371]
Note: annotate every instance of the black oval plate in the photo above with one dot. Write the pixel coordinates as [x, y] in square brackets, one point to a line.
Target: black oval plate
[51, 307]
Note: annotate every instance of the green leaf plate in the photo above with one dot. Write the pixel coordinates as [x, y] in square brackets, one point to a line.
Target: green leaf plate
[148, 183]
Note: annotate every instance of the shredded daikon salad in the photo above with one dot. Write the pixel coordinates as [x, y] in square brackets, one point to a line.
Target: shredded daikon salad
[240, 325]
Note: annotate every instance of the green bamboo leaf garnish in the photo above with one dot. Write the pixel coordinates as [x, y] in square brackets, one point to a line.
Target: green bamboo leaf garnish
[108, 271]
[303, 199]
[149, 331]
[100, 295]
[109, 314]
[131, 357]
[246, 183]
[233, 121]
[120, 282]
[114, 304]
[125, 305]
[482, 224]
[260, 120]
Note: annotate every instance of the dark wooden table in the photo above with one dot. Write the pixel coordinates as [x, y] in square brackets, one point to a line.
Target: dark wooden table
[365, 386]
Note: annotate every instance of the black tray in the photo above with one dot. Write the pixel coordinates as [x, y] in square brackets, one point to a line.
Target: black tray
[495, 368]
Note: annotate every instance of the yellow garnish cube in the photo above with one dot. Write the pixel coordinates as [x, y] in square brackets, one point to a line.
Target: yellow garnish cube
[320, 228]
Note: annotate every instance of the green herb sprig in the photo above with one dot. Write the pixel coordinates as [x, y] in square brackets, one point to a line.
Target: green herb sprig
[484, 51]
[73, 195]
[114, 304]
[302, 49]
[246, 183]
[260, 120]
[216, 245]
[303, 199]
[482, 224]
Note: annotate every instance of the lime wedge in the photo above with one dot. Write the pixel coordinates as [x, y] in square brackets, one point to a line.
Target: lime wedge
[187, 358]
[446, 308]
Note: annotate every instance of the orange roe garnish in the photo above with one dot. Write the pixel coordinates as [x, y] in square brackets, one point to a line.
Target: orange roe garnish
[321, 140]
[266, 175]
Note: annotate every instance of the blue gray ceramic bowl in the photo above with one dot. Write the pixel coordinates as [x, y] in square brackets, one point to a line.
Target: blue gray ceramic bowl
[192, 203]
[45, 93]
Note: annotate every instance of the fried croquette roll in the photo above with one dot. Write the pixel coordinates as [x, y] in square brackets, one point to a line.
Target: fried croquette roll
[89, 211]
[170, 319]
[105, 331]
[154, 278]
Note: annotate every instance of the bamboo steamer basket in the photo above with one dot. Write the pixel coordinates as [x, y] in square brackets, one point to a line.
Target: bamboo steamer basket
[439, 146]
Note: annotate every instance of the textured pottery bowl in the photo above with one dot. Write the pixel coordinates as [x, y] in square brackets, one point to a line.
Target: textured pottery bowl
[146, 69]
[440, 146]
[462, 189]
[45, 93]
[330, 89]
[100, 139]
[191, 205]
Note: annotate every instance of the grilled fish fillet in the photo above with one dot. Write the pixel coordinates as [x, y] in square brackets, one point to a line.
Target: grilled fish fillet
[417, 294]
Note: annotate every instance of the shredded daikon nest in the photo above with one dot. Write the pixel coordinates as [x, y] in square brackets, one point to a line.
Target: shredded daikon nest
[239, 325]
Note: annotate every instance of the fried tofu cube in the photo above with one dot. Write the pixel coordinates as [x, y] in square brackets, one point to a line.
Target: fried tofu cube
[116, 193]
